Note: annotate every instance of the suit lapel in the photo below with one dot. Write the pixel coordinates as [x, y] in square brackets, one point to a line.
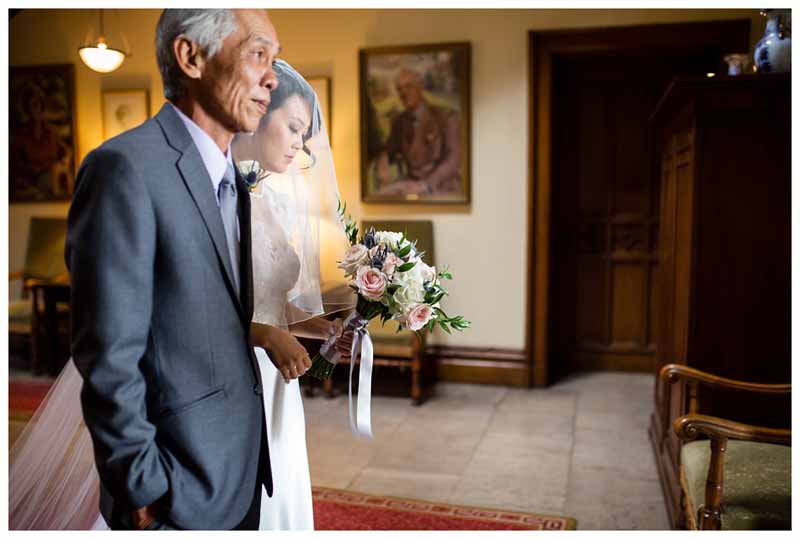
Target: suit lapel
[195, 176]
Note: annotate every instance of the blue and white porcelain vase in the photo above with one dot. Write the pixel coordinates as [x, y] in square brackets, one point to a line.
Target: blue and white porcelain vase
[773, 52]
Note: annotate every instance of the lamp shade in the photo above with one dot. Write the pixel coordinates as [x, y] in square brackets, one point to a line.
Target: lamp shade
[101, 58]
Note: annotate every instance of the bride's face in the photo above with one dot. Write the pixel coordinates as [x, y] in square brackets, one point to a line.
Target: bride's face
[284, 133]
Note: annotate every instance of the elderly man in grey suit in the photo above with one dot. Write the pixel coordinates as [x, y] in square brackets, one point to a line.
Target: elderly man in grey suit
[158, 249]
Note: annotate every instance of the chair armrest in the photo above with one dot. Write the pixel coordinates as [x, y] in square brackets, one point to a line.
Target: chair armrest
[689, 426]
[672, 372]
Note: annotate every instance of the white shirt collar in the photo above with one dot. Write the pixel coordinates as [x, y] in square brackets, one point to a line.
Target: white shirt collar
[214, 160]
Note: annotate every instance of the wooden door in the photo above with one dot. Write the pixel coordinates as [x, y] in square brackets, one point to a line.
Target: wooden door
[606, 208]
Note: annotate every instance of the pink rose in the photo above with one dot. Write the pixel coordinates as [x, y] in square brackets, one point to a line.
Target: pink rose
[418, 316]
[391, 263]
[371, 283]
[354, 257]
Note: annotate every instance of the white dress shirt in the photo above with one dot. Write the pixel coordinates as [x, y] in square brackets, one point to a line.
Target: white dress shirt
[214, 160]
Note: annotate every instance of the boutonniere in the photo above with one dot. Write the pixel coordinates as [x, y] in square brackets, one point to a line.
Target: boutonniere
[252, 173]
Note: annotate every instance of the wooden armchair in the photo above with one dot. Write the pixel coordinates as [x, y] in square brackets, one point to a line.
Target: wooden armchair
[44, 263]
[753, 463]
[403, 350]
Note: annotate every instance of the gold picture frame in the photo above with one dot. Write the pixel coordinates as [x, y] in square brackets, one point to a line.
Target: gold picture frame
[415, 124]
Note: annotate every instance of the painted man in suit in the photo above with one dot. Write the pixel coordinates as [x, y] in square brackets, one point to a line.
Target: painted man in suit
[424, 142]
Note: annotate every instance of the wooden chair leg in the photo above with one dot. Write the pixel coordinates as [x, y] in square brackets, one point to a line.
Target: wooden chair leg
[428, 369]
[416, 367]
[709, 514]
[327, 385]
[687, 519]
[416, 389]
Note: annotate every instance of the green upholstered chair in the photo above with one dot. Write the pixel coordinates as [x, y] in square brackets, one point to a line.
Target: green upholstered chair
[44, 262]
[740, 477]
[403, 350]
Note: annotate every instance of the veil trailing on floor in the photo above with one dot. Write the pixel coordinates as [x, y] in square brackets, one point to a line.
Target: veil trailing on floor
[53, 483]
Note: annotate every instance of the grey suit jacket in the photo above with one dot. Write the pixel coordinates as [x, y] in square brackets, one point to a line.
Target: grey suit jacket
[171, 389]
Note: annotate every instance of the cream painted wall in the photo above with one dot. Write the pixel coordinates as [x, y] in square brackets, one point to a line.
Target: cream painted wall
[484, 243]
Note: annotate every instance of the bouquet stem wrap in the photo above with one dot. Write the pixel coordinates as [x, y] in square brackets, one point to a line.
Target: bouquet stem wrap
[324, 362]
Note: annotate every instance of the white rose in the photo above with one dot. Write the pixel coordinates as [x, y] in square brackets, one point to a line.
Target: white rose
[390, 239]
[354, 257]
[414, 276]
[407, 296]
[428, 272]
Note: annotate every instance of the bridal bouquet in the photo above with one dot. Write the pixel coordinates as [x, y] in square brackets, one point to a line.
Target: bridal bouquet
[392, 281]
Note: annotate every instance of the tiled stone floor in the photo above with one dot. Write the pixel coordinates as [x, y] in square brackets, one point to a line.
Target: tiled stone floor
[579, 448]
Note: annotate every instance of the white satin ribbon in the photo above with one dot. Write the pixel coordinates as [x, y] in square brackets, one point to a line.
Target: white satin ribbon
[362, 343]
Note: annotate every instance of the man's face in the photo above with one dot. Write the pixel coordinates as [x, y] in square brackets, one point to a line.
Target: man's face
[409, 88]
[236, 83]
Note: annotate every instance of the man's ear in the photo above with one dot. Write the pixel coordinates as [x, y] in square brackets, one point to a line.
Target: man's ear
[189, 57]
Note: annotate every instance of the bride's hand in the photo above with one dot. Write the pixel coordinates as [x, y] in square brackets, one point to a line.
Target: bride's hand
[344, 339]
[283, 349]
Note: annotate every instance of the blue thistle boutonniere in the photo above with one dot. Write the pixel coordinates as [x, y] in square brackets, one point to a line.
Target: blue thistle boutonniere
[252, 173]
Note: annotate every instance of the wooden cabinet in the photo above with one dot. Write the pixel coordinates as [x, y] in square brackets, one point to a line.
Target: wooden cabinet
[723, 152]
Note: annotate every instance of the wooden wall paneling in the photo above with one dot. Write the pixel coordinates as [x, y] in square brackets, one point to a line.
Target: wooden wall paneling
[495, 366]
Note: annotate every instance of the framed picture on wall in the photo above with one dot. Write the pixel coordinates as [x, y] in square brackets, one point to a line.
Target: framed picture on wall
[42, 145]
[123, 110]
[415, 123]
[322, 87]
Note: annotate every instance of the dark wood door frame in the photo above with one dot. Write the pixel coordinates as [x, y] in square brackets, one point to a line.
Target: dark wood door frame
[543, 47]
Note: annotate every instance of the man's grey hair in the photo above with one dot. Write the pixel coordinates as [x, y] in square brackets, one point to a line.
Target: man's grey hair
[208, 28]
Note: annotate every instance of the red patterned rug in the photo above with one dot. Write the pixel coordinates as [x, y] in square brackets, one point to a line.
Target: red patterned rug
[345, 510]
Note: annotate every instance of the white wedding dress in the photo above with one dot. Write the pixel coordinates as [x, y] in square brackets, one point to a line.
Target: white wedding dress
[276, 268]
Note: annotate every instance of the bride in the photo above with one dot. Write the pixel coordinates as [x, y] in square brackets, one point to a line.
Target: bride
[287, 163]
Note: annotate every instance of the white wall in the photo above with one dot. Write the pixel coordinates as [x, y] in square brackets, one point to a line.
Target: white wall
[484, 243]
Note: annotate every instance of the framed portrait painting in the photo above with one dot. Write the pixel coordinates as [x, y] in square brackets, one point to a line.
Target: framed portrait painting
[415, 123]
[42, 149]
[123, 110]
